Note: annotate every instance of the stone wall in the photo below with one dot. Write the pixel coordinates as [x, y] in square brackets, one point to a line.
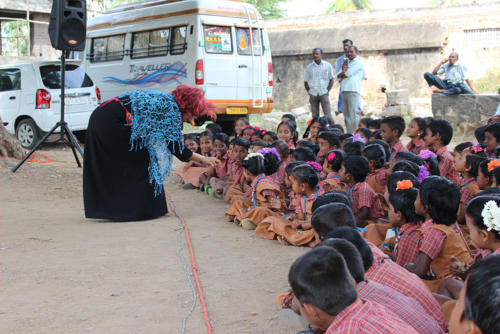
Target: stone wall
[465, 112]
[40, 41]
[397, 46]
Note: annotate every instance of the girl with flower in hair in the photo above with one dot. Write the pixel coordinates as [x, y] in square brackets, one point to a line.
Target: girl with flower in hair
[314, 127]
[130, 143]
[331, 167]
[482, 217]
[296, 229]
[263, 198]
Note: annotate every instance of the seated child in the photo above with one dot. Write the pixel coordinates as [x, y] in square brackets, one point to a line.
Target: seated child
[403, 218]
[364, 122]
[388, 273]
[330, 216]
[416, 133]
[193, 169]
[391, 129]
[192, 143]
[477, 309]
[239, 125]
[290, 196]
[264, 197]
[257, 145]
[246, 133]
[484, 174]
[363, 134]
[492, 139]
[315, 125]
[406, 308]
[438, 200]
[218, 176]
[496, 174]
[256, 135]
[303, 154]
[286, 132]
[327, 141]
[353, 147]
[375, 155]
[285, 158]
[366, 204]
[328, 300]
[237, 186]
[467, 164]
[438, 135]
[296, 229]
[270, 137]
[308, 144]
[331, 168]
[480, 216]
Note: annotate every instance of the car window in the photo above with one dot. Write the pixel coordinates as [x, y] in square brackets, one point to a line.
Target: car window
[178, 43]
[218, 39]
[150, 43]
[107, 48]
[244, 45]
[75, 76]
[10, 79]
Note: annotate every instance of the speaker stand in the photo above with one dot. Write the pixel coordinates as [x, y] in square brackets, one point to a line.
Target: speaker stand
[70, 139]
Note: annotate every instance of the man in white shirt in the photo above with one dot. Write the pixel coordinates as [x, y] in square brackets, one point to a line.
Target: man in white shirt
[455, 77]
[318, 80]
[350, 78]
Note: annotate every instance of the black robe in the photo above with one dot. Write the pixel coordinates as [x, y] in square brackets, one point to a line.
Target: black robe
[116, 180]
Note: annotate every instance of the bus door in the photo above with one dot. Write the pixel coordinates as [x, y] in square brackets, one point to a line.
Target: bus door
[216, 71]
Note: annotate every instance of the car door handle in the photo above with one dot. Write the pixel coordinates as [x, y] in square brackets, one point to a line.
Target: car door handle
[242, 66]
[12, 98]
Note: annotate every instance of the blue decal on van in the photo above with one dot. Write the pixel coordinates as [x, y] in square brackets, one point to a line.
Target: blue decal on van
[174, 72]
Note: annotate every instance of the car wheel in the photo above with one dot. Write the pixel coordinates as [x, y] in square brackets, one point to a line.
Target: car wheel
[27, 133]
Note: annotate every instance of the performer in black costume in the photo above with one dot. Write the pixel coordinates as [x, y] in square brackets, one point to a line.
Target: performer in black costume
[128, 151]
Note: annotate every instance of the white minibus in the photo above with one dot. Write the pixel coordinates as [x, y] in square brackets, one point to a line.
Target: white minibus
[220, 46]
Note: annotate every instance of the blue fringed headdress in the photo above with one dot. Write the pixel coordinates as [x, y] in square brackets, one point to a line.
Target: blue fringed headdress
[156, 124]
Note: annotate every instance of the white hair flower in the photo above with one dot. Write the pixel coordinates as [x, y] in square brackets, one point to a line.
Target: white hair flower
[491, 216]
[251, 155]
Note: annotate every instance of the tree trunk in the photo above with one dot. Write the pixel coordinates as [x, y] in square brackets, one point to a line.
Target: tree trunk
[9, 145]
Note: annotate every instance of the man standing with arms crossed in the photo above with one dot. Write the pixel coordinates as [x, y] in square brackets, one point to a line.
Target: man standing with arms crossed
[318, 80]
[353, 72]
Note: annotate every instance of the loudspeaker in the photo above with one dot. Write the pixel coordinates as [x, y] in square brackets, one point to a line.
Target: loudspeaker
[68, 24]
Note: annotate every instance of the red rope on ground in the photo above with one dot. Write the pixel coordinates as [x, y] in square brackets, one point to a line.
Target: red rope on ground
[193, 264]
[42, 159]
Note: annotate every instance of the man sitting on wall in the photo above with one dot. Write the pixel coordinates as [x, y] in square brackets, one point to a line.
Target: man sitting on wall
[455, 77]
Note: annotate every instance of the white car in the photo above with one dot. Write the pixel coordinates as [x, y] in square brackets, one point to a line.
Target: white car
[30, 98]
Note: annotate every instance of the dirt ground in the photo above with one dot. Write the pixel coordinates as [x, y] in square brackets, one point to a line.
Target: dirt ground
[62, 273]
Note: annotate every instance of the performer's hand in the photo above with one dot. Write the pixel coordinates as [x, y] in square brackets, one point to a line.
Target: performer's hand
[211, 161]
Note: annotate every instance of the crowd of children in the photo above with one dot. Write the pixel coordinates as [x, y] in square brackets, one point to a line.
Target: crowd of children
[406, 237]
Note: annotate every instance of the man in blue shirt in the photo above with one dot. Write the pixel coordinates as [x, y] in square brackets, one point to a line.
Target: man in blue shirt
[455, 77]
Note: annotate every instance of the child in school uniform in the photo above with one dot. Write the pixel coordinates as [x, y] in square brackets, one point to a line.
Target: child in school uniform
[467, 164]
[391, 129]
[408, 309]
[485, 173]
[218, 177]
[438, 200]
[269, 137]
[331, 167]
[314, 126]
[438, 135]
[366, 204]
[284, 152]
[403, 218]
[264, 197]
[477, 309]
[388, 273]
[237, 187]
[375, 155]
[327, 141]
[296, 229]
[286, 132]
[327, 297]
[239, 125]
[416, 133]
[492, 139]
[192, 170]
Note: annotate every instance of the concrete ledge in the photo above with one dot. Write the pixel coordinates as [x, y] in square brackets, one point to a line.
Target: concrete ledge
[465, 111]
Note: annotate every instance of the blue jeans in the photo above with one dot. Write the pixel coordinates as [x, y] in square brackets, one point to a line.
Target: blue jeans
[449, 89]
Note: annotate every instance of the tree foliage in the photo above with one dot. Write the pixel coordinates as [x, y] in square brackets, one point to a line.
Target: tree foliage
[269, 8]
[348, 5]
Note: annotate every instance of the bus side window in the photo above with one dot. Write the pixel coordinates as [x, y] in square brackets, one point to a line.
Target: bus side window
[218, 39]
[178, 43]
[107, 48]
[150, 43]
[245, 45]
